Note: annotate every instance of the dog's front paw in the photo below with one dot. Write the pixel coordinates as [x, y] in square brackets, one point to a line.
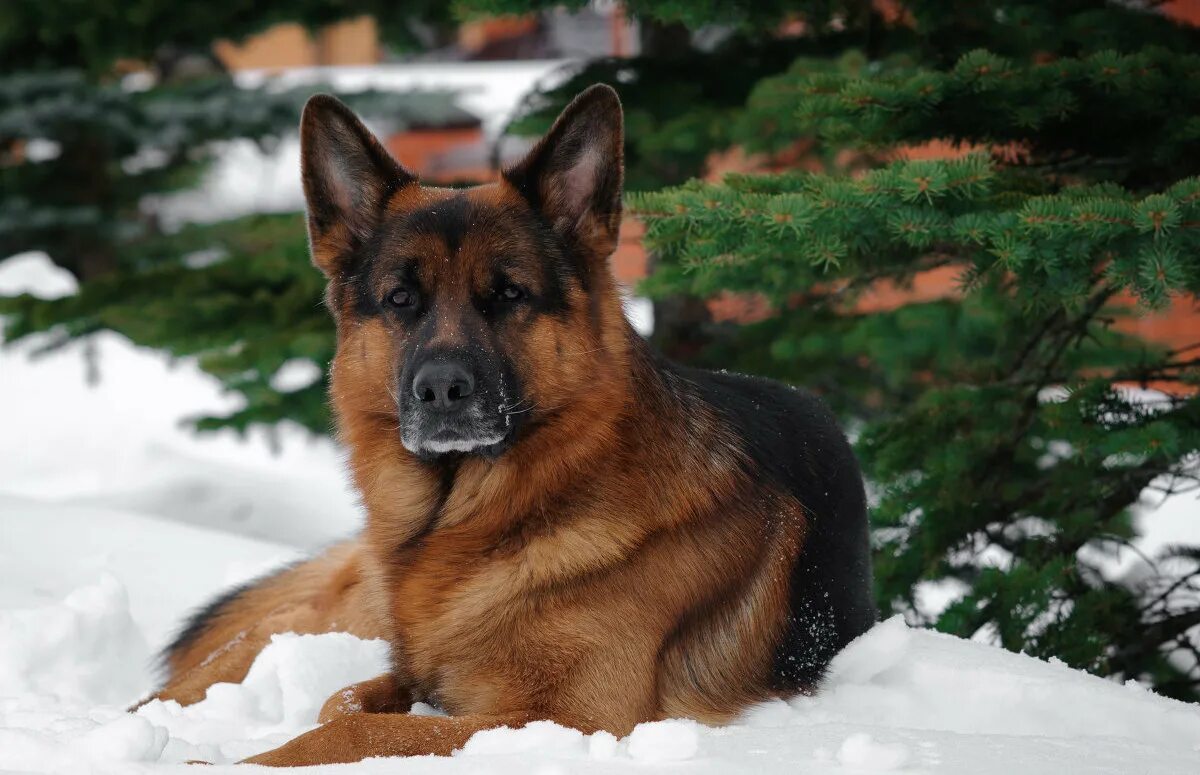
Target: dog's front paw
[382, 694]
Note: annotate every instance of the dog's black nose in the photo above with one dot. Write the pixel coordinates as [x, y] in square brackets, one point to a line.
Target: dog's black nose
[443, 386]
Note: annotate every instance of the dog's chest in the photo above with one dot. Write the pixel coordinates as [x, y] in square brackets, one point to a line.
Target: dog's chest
[467, 632]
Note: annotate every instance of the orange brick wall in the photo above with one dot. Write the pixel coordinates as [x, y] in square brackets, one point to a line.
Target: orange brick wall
[474, 35]
[420, 150]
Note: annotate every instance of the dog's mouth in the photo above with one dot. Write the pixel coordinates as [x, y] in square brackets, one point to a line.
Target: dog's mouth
[445, 443]
[486, 422]
[432, 437]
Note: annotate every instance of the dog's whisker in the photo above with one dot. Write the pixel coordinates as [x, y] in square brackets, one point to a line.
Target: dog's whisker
[395, 396]
[513, 405]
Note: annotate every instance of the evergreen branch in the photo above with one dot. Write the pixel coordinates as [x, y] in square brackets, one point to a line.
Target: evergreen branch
[1103, 109]
[885, 224]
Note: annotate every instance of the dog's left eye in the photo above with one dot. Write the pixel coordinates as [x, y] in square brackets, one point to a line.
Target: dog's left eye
[401, 298]
[510, 293]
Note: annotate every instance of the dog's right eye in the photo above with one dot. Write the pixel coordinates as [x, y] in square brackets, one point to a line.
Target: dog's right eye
[402, 298]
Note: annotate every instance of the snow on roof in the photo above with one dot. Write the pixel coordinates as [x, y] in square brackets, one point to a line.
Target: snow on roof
[489, 90]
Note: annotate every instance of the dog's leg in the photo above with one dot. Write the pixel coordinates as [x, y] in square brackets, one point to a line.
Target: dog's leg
[359, 736]
[382, 694]
[335, 591]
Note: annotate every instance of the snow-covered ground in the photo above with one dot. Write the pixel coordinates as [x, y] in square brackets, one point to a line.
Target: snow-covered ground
[115, 521]
[897, 700]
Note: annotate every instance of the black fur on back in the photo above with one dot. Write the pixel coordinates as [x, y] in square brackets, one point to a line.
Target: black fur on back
[795, 441]
[199, 621]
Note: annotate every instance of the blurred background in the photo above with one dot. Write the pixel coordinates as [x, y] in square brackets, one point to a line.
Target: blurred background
[972, 227]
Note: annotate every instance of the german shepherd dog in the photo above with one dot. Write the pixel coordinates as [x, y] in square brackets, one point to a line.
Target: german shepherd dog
[560, 523]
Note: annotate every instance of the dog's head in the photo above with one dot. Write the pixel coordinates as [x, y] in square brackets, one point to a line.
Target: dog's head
[466, 317]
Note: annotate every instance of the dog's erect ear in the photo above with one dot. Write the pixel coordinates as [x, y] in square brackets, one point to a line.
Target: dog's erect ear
[574, 174]
[348, 177]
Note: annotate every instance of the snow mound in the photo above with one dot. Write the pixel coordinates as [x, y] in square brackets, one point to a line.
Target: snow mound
[939, 682]
[68, 670]
[85, 649]
[64, 670]
[40, 737]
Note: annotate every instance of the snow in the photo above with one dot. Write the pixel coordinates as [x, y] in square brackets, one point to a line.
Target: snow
[50, 550]
[664, 741]
[295, 374]
[535, 737]
[35, 274]
[861, 751]
[105, 663]
[115, 522]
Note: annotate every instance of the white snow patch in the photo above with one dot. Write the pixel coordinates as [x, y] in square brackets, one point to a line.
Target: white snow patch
[34, 273]
[537, 736]
[50, 552]
[934, 597]
[664, 741]
[861, 751]
[489, 90]
[40, 149]
[49, 738]
[85, 649]
[895, 673]
[602, 745]
[896, 700]
[295, 374]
